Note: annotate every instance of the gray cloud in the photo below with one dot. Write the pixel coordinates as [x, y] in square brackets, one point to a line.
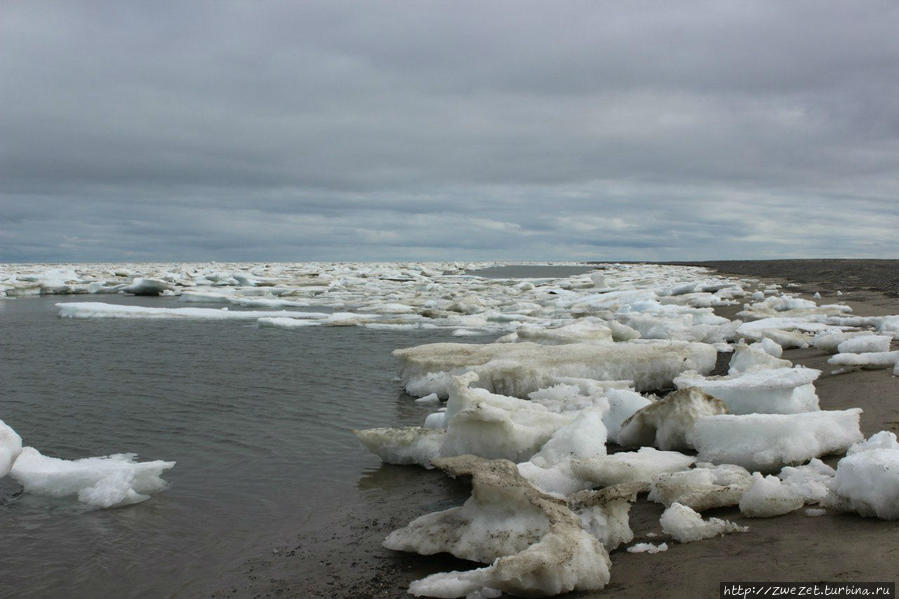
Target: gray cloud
[401, 130]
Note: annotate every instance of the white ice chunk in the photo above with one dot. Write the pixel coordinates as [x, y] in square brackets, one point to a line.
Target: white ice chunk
[757, 356]
[701, 488]
[865, 343]
[147, 287]
[286, 323]
[631, 466]
[535, 542]
[829, 341]
[520, 368]
[769, 497]
[100, 482]
[872, 360]
[582, 331]
[410, 445]
[585, 437]
[10, 448]
[766, 442]
[770, 347]
[435, 420]
[101, 310]
[666, 424]
[623, 403]
[647, 548]
[431, 399]
[550, 468]
[867, 479]
[767, 391]
[686, 525]
[881, 440]
[811, 482]
[605, 513]
[497, 426]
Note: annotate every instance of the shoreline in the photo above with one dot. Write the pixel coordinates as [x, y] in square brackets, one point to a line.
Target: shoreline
[348, 561]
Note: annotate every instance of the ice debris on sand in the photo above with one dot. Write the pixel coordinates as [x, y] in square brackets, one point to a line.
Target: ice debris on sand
[686, 525]
[701, 488]
[534, 542]
[647, 548]
[867, 479]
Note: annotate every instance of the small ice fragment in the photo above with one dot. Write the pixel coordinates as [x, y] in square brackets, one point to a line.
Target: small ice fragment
[647, 548]
[430, 399]
[686, 525]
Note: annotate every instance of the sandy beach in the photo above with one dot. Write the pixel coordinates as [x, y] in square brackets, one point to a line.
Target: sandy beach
[347, 560]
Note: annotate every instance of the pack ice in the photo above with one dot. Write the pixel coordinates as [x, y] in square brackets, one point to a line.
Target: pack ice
[565, 369]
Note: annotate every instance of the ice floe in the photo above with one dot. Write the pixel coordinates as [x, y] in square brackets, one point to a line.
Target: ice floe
[767, 442]
[103, 482]
[100, 482]
[520, 368]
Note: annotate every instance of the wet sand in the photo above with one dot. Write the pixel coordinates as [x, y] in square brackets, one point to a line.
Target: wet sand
[347, 560]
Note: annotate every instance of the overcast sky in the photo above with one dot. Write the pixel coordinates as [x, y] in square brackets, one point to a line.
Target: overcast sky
[191, 130]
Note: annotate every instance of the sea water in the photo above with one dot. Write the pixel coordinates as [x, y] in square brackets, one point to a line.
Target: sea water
[258, 420]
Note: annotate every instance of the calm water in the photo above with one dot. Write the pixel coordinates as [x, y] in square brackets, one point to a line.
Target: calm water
[258, 420]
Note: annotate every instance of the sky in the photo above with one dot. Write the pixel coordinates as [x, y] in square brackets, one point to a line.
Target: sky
[463, 130]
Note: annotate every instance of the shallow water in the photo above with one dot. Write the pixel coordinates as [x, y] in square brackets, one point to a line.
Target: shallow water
[258, 420]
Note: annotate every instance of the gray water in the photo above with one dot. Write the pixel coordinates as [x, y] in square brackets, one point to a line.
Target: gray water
[258, 420]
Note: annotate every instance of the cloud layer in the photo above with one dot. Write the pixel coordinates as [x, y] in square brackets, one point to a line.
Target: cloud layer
[464, 130]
